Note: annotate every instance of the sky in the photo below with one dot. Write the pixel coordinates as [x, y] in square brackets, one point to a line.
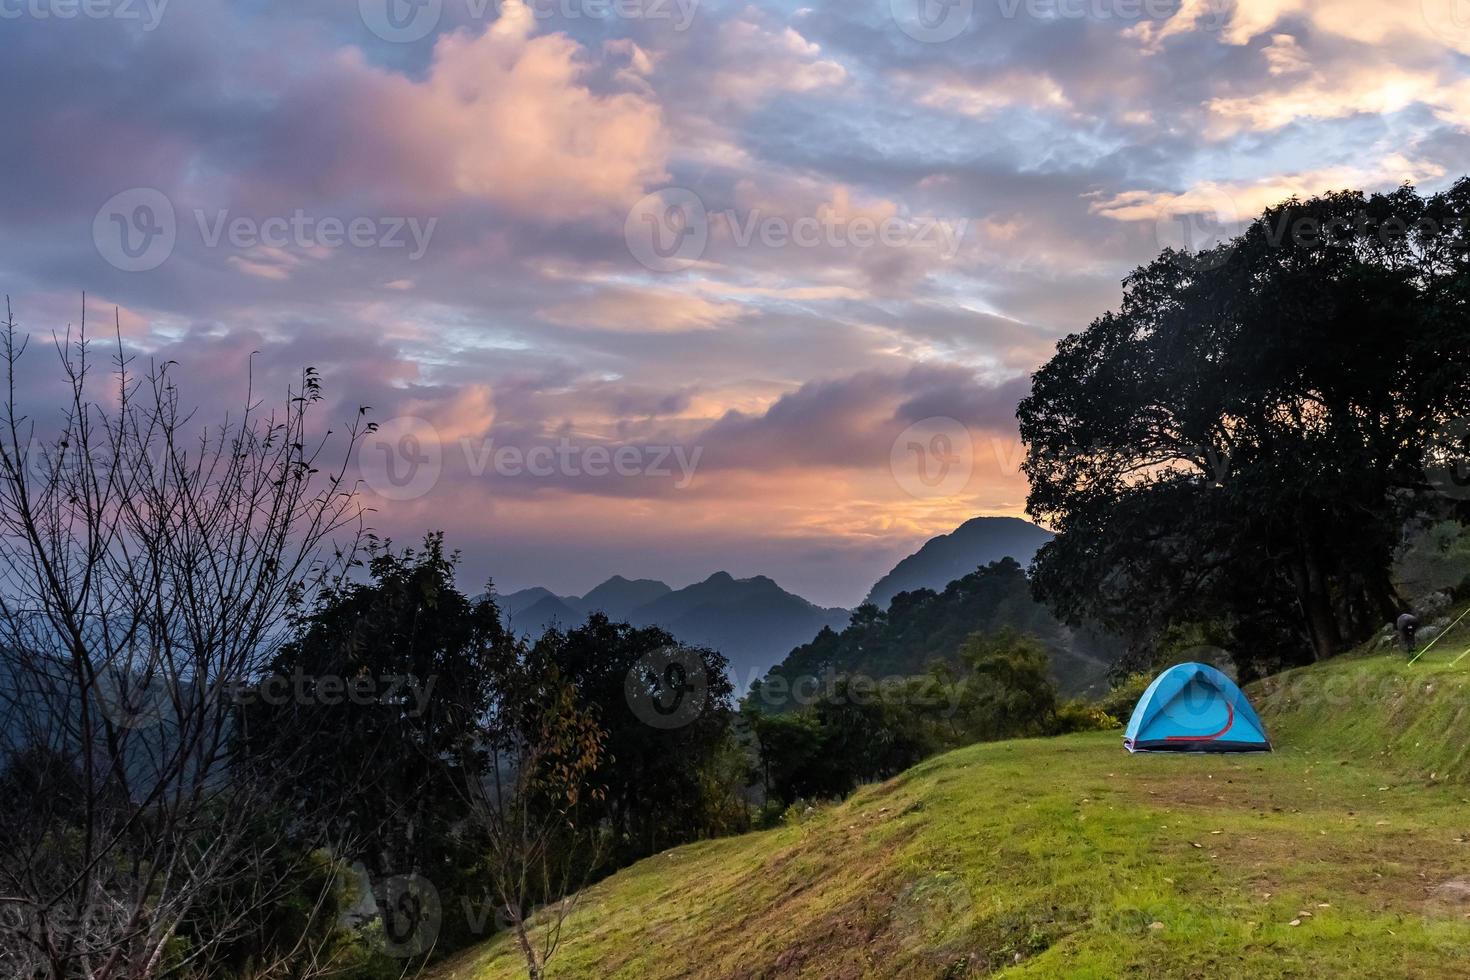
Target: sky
[666, 287]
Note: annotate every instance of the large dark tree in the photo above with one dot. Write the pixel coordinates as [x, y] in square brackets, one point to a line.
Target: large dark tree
[1244, 439]
[388, 680]
[670, 767]
[449, 752]
[422, 656]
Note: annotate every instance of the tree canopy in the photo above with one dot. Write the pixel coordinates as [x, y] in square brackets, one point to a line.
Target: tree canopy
[1245, 438]
[667, 782]
[923, 626]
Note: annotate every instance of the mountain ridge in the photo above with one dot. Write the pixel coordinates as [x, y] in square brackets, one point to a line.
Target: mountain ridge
[947, 557]
[752, 621]
[757, 624]
[925, 626]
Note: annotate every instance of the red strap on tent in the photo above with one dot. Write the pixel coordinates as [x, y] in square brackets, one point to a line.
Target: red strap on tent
[1229, 720]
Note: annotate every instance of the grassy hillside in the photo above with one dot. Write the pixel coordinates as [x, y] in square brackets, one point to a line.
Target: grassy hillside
[1345, 851]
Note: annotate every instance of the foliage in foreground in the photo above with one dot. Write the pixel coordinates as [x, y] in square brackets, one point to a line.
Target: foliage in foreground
[502, 775]
[859, 730]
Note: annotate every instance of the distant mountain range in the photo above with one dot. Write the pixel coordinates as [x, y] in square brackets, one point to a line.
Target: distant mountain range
[533, 610]
[951, 556]
[753, 621]
[924, 626]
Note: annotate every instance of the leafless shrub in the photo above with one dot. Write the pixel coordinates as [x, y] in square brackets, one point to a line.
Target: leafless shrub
[146, 564]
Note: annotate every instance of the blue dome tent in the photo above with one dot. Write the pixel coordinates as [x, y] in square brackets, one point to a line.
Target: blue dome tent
[1194, 708]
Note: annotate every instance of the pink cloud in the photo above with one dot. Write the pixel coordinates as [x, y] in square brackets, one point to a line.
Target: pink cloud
[502, 117]
[644, 310]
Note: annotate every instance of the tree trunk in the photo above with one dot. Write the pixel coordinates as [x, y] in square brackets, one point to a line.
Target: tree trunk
[1316, 604]
[1386, 598]
[523, 940]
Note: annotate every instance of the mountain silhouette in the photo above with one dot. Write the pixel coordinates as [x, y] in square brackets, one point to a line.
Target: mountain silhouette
[752, 621]
[927, 626]
[618, 597]
[514, 603]
[755, 623]
[542, 614]
[979, 541]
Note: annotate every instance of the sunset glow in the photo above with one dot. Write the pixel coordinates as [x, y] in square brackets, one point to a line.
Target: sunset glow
[795, 262]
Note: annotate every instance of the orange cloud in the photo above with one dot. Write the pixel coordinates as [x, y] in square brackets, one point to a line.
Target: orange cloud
[1239, 201]
[1366, 88]
[631, 309]
[503, 117]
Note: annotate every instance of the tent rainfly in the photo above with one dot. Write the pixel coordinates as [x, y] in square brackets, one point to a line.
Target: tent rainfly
[1194, 708]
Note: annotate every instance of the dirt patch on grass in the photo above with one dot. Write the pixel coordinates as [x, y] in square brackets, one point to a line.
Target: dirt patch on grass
[1271, 838]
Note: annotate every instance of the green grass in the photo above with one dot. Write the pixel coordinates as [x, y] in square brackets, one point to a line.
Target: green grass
[1068, 857]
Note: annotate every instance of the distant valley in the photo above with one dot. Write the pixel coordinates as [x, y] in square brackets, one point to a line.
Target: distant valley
[754, 621]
